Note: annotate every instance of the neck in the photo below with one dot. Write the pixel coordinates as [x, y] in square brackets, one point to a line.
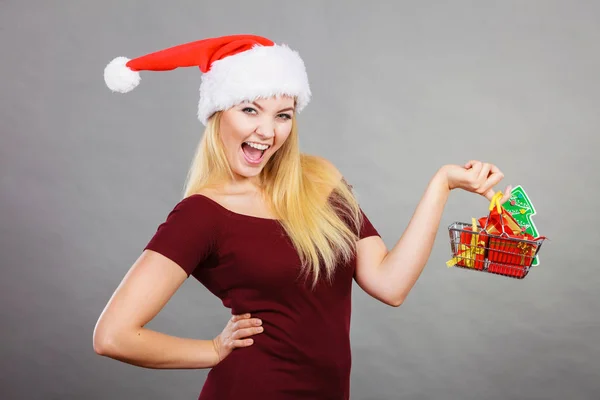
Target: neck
[241, 185]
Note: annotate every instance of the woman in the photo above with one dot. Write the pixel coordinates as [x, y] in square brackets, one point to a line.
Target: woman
[277, 235]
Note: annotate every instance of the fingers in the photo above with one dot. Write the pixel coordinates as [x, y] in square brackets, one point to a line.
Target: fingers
[484, 176]
[471, 163]
[475, 167]
[506, 194]
[247, 323]
[244, 326]
[246, 332]
[484, 172]
[505, 197]
[495, 178]
[495, 170]
[492, 181]
[242, 343]
[236, 318]
[487, 190]
[484, 180]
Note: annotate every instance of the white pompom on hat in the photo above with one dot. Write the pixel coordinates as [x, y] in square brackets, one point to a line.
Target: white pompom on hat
[235, 68]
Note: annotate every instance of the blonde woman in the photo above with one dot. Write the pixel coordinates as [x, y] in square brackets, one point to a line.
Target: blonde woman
[276, 234]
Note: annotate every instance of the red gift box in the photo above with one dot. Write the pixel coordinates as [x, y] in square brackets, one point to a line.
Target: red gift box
[511, 255]
[500, 221]
[472, 249]
[469, 247]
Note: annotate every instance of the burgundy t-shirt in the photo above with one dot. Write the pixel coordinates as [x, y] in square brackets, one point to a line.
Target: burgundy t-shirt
[250, 264]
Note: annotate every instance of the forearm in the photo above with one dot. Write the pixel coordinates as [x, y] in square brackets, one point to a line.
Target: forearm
[403, 265]
[151, 349]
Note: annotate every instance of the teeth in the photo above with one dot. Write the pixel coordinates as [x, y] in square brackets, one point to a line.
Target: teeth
[257, 146]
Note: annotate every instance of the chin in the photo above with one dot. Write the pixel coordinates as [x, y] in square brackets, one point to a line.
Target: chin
[247, 173]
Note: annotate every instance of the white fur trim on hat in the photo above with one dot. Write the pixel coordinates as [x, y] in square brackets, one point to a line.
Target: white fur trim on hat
[261, 72]
[119, 77]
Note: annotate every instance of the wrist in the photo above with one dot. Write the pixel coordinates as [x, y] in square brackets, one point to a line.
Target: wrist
[440, 179]
[217, 357]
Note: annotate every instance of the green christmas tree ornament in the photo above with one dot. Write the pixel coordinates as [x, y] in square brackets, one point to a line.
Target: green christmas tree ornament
[521, 208]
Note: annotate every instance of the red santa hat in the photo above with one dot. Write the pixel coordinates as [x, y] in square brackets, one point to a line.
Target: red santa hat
[235, 68]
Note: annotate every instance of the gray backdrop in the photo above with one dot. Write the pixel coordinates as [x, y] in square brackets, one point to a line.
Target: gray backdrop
[399, 89]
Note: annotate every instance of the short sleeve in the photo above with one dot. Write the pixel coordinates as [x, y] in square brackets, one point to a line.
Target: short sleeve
[367, 229]
[188, 235]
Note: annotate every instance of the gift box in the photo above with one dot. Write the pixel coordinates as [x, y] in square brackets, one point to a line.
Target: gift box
[470, 249]
[500, 221]
[510, 255]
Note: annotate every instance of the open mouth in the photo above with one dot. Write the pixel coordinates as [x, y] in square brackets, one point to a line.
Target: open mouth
[254, 152]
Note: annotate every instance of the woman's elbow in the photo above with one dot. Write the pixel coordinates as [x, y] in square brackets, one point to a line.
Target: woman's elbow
[103, 340]
[395, 303]
[99, 342]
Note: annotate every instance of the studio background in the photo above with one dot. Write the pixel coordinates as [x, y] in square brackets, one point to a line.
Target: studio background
[399, 89]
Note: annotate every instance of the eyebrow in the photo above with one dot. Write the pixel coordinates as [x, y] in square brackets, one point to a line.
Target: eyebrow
[262, 109]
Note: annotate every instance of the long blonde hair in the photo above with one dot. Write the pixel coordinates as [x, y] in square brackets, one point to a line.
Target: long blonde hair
[316, 208]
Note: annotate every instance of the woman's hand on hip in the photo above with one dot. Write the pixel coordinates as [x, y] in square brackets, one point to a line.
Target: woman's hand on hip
[236, 334]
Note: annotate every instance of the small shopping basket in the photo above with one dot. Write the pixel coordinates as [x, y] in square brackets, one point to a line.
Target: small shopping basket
[493, 249]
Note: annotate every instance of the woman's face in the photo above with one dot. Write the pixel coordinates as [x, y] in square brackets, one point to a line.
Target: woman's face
[252, 132]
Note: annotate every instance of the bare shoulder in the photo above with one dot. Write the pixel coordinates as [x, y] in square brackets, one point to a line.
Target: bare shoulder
[212, 194]
[218, 196]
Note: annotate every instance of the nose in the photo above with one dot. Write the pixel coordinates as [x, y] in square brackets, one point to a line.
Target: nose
[266, 130]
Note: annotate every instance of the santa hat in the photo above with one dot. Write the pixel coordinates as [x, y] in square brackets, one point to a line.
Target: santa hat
[235, 68]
